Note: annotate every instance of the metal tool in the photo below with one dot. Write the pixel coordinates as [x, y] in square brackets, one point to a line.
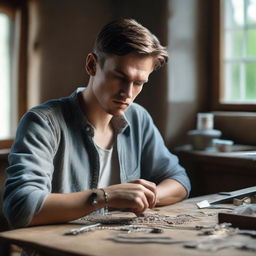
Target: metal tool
[226, 197]
[83, 229]
[206, 205]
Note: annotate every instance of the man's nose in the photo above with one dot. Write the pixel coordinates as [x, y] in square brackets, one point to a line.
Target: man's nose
[128, 89]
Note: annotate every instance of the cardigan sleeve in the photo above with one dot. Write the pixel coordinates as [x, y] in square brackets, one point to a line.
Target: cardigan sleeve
[30, 169]
[158, 163]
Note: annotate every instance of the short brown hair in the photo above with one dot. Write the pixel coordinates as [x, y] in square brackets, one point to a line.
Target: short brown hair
[123, 36]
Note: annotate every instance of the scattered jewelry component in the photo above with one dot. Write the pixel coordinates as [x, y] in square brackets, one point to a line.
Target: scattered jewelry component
[223, 229]
[145, 239]
[209, 213]
[214, 244]
[155, 220]
[248, 232]
[188, 227]
[247, 210]
[133, 229]
[147, 223]
[163, 220]
[127, 228]
[83, 229]
[156, 230]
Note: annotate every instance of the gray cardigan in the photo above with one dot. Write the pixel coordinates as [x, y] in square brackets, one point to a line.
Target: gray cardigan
[53, 152]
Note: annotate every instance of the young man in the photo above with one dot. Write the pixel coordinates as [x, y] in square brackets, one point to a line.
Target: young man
[96, 148]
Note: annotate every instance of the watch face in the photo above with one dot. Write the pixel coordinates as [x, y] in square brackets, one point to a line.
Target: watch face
[94, 200]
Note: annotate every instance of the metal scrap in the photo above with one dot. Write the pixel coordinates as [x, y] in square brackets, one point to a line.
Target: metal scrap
[247, 210]
[214, 244]
[145, 239]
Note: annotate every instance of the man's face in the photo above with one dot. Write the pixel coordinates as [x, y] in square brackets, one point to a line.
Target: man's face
[120, 80]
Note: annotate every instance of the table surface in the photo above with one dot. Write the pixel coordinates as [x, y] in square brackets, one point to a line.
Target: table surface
[49, 239]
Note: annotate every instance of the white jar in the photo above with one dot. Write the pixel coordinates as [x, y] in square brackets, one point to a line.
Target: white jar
[223, 145]
[204, 121]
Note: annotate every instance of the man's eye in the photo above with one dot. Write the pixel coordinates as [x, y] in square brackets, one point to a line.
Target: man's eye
[138, 84]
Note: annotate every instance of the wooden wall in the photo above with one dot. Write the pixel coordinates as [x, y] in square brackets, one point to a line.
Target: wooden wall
[61, 35]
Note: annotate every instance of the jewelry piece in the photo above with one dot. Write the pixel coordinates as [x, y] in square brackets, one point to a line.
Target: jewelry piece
[133, 229]
[106, 200]
[83, 229]
[152, 220]
[149, 223]
[145, 239]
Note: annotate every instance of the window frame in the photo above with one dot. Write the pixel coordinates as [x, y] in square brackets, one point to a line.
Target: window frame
[18, 12]
[217, 83]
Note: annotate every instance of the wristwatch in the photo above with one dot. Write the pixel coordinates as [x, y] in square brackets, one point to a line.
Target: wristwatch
[94, 199]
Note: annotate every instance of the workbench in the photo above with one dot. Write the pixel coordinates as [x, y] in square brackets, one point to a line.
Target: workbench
[50, 239]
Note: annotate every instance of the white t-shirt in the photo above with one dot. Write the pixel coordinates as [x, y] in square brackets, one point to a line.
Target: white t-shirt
[109, 166]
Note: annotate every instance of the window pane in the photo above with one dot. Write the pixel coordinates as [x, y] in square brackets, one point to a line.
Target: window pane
[239, 57]
[232, 82]
[251, 12]
[233, 44]
[234, 14]
[251, 81]
[5, 77]
[251, 43]
[229, 17]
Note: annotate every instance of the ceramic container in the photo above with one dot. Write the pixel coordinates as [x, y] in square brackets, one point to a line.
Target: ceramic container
[203, 139]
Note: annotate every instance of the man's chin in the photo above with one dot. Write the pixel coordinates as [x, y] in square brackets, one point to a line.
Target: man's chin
[117, 112]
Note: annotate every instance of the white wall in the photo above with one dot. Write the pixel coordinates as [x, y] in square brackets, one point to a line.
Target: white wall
[187, 69]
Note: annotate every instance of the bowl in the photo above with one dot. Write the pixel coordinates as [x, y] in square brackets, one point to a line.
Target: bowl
[203, 139]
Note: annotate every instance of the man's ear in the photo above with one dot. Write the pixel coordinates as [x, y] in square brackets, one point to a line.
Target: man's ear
[90, 65]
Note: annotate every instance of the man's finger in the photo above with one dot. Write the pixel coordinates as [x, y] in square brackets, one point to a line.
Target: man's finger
[151, 187]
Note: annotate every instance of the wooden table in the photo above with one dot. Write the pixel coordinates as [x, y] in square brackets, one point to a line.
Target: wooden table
[49, 239]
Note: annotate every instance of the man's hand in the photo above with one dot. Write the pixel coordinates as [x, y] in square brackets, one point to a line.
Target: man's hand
[137, 195]
[149, 185]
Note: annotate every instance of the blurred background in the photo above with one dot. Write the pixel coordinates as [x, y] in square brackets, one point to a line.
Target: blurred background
[212, 69]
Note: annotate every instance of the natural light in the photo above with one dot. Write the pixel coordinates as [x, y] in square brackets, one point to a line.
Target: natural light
[5, 81]
[239, 51]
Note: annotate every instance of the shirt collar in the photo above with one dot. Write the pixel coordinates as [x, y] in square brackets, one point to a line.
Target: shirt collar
[120, 123]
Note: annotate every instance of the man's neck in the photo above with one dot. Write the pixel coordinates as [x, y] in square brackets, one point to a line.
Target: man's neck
[104, 134]
[93, 111]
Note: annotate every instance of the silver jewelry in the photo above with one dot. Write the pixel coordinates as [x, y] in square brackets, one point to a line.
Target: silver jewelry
[106, 200]
[83, 229]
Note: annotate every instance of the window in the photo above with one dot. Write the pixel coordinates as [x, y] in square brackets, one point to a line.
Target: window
[234, 54]
[7, 106]
[13, 24]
